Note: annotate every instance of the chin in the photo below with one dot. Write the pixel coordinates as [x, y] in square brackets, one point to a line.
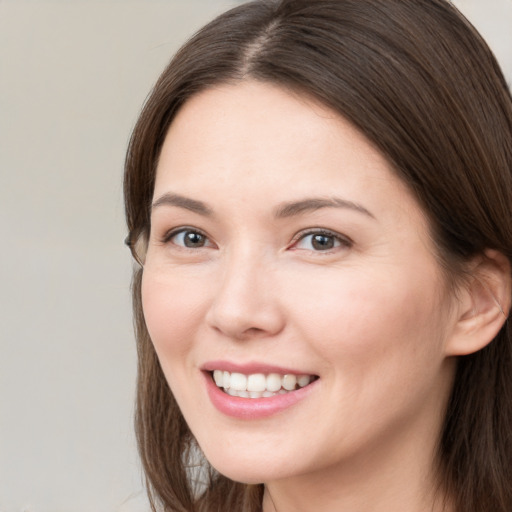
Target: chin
[248, 471]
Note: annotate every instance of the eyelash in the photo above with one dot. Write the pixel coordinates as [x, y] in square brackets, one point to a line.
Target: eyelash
[340, 240]
[186, 229]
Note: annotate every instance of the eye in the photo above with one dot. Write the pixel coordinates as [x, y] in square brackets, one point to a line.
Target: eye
[321, 240]
[189, 238]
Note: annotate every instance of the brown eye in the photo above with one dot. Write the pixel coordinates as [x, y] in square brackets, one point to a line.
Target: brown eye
[190, 239]
[319, 241]
[322, 242]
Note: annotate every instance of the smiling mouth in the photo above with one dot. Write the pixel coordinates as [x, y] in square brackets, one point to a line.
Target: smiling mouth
[259, 385]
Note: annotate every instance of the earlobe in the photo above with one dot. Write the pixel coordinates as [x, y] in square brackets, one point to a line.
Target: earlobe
[484, 304]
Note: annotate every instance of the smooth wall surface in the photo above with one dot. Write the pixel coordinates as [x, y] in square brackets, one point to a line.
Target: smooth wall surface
[73, 75]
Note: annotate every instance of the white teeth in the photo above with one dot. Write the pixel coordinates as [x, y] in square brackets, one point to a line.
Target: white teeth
[257, 382]
[289, 382]
[218, 377]
[303, 380]
[259, 385]
[273, 382]
[238, 382]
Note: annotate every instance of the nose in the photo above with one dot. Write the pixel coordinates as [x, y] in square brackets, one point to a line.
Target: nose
[246, 303]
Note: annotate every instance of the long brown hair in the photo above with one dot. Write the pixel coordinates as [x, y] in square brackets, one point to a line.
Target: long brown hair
[420, 83]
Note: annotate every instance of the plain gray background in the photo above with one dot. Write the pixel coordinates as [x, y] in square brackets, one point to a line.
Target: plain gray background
[73, 75]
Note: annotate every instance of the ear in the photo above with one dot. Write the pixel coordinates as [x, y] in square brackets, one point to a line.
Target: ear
[483, 305]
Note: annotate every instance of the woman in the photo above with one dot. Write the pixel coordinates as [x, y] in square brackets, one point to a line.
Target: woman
[319, 197]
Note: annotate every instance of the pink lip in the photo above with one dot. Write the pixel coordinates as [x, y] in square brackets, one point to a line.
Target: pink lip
[253, 408]
[249, 368]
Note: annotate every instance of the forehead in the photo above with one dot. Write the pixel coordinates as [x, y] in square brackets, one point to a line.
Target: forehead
[254, 130]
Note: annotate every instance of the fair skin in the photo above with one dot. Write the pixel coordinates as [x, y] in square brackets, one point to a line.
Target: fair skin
[347, 291]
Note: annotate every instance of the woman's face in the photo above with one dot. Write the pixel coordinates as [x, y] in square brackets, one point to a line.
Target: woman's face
[286, 258]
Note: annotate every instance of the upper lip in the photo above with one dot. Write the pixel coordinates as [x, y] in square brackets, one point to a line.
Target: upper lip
[250, 368]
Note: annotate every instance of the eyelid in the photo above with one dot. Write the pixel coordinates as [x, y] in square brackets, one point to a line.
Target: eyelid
[344, 240]
[170, 234]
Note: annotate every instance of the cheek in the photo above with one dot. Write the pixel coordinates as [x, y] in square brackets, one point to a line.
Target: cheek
[365, 321]
[381, 350]
[172, 311]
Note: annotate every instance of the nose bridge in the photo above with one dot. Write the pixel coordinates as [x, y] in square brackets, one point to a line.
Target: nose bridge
[246, 303]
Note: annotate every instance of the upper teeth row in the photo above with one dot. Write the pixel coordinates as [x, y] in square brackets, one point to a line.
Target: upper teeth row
[259, 382]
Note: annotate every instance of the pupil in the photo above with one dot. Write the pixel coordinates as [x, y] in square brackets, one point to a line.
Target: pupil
[194, 239]
[323, 242]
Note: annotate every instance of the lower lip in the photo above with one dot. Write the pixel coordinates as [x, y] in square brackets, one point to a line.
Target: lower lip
[253, 408]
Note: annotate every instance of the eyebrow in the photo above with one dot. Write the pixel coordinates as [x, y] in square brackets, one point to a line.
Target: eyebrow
[285, 210]
[183, 202]
[316, 203]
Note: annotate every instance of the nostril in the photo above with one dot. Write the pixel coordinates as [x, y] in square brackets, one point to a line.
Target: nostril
[253, 331]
